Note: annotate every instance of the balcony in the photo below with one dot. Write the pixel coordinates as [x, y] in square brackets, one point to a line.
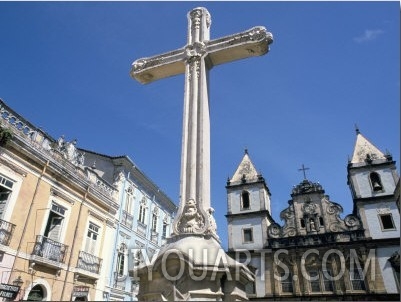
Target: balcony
[49, 250]
[141, 229]
[6, 232]
[127, 219]
[89, 263]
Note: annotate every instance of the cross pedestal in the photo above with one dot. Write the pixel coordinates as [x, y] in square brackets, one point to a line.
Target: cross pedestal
[194, 245]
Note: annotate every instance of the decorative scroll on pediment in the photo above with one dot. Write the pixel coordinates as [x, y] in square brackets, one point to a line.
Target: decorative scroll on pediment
[314, 217]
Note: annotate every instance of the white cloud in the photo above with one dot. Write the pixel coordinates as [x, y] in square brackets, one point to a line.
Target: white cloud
[368, 35]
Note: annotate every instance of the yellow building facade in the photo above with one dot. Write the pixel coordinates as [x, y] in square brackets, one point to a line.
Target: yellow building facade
[57, 217]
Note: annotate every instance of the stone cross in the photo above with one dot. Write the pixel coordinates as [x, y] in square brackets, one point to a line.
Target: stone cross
[195, 59]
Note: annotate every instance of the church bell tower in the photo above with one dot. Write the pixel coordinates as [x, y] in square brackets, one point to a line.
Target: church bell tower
[372, 178]
[248, 207]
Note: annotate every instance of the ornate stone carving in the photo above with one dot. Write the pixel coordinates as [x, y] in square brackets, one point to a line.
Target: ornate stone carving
[351, 221]
[309, 207]
[156, 211]
[70, 151]
[274, 230]
[195, 16]
[289, 232]
[191, 220]
[197, 49]
[119, 178]
[383, 210]
[212, 229]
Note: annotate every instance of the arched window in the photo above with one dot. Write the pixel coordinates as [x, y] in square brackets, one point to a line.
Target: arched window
[375, 181]
[36, 294]
[245, 200]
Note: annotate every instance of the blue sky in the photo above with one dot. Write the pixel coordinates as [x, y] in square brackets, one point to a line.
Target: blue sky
[65, 67]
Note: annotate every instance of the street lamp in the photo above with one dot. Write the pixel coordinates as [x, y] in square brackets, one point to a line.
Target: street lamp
[18, 281]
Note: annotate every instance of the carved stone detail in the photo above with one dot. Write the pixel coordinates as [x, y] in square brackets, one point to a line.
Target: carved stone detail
[383, 210]
[352, 221]
[313, 219]
[212, 229]
[274, 230]
[191, 220]
[309, 207]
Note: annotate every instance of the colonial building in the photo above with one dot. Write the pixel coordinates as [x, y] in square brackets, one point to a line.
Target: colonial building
[316, 254]
[143, 222]
[70, 219]
[57, 216]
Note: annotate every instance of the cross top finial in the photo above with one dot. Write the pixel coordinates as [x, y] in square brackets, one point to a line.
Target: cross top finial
[303, 169]
[357, 129]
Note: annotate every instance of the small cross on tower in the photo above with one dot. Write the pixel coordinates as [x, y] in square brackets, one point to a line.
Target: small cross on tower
[303, 169]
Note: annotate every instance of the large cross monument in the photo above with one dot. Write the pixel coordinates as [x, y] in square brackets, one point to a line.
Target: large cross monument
[192, 265]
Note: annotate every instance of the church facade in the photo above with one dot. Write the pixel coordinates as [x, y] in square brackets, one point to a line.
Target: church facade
[72, 222]
[316, 254]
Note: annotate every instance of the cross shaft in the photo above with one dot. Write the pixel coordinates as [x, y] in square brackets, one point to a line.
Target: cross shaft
[195, 60]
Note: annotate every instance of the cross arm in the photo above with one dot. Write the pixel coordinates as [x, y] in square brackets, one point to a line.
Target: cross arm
[146, 70]
[253, 42]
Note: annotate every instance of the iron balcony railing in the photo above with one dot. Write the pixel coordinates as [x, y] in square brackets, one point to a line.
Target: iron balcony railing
[6, 232]
[50, 249]
[89, 263]
[127, 219]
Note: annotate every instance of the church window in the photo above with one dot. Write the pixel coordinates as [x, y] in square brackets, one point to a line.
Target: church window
[321, 280]
[245, 204]
[302, 222]
[286, 283]
[327, 278]
[314, 281]
[387, 222]
[356, 277]
[321, 221]
[248, 236]
[376, 181]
